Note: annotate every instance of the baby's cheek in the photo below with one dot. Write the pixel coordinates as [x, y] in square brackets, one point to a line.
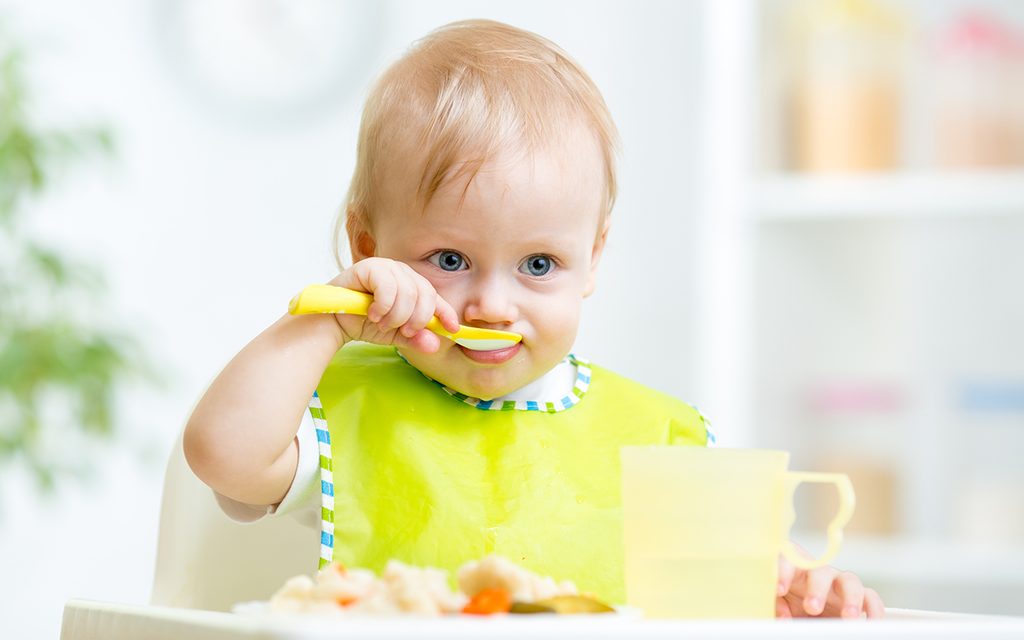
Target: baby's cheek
[558, 324]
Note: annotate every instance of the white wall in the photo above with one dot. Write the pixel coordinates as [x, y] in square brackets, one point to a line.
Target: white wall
[207, 225]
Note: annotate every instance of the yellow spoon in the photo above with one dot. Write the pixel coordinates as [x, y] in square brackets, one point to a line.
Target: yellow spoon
[325, 298]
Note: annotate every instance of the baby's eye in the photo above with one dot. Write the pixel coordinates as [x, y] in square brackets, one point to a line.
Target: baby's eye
[448, 260]
[538, 265]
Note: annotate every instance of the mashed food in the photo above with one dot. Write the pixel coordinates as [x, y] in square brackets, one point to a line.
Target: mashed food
[491, 585]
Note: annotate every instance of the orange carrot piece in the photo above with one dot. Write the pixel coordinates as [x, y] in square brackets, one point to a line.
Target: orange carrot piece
[489, 601]
[344, 601]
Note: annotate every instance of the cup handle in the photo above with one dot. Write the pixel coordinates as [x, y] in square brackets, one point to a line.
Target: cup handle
[847, 501]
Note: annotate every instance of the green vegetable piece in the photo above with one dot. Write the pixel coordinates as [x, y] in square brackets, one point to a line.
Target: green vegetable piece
[574, 604]
[529, 607]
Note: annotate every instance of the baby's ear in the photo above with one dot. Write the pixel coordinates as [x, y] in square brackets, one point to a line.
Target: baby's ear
[595, 255]
[360, 241]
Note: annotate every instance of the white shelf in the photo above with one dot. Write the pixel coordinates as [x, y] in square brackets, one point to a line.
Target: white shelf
[905, 559]
[797, 197]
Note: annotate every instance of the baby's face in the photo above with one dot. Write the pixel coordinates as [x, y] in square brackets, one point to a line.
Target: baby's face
[519, 254]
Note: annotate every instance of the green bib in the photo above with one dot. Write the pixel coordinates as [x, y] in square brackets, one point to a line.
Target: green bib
[413, 471]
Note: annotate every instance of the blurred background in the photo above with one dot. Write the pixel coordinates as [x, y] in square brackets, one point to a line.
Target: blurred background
[818, 239]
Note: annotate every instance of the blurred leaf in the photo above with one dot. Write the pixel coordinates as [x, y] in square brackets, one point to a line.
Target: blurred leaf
[27, 155]
[60, 372]
[57, 270]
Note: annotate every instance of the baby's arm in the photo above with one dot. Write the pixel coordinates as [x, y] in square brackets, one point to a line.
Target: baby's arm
[240, 439]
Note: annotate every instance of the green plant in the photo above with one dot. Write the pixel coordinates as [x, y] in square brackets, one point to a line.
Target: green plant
[61, 362]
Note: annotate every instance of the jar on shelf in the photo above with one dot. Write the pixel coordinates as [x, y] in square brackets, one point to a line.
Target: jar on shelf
[856, 426]
[978, 93]
[844, 93]
[988, 501]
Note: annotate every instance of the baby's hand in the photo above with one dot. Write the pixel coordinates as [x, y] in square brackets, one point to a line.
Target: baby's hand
[403, 303]
[824, 591]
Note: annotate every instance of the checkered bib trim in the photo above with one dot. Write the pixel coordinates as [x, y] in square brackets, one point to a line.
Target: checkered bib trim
[579, 389]
[323, 440]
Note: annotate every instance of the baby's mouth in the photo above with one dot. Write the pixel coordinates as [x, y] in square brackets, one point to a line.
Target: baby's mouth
[497, 356]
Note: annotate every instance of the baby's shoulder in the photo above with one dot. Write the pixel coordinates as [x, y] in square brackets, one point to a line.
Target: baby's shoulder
[626, 390]
[635, 403]
[361, 364]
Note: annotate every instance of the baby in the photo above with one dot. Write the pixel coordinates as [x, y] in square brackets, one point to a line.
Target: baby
[482, 194]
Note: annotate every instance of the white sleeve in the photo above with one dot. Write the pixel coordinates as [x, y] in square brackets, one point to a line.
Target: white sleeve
[303, 498]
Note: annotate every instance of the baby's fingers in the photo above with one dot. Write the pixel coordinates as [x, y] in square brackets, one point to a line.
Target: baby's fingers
[786, 572]
[873, 604]
[377, 277]
[423, 309]
[404, 302]
[782, 609]
[446, 314]
[819, 585]
[424, 340]
[850, 590]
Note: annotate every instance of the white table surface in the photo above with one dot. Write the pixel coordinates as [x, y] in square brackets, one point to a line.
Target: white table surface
[91, 620]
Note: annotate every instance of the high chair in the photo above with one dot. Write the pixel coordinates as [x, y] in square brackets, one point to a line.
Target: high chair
[205, 560]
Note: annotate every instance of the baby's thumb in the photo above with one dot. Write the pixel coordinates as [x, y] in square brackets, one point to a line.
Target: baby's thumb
[424, 340]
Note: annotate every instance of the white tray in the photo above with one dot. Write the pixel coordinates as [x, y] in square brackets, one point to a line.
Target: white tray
[90, 620]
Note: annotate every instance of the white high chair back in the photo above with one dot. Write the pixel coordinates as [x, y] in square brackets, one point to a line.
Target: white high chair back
[204, 560]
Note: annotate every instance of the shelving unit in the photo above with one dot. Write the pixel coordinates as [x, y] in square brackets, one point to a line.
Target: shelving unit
[946, 575]
[906, 281]
[793, 197]
[906, 559]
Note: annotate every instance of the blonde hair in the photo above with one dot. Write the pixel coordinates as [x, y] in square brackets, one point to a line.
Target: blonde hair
[461, 94]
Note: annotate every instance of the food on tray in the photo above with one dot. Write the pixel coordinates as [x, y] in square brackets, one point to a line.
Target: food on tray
[498, 572]
[564, 604]
[488, 601]
[399, 589]
[493, 585]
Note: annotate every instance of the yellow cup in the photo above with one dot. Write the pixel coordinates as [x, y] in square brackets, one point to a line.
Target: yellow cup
[703, 529]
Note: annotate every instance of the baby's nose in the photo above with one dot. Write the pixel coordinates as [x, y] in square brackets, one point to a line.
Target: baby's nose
[490, 303]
